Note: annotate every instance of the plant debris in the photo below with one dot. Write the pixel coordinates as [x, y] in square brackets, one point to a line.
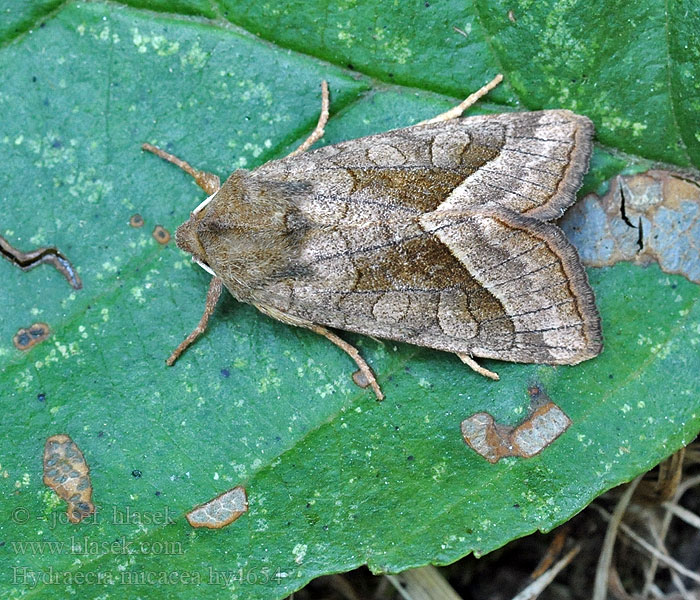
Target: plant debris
[136, 221]
[28, 260]
[161, 235]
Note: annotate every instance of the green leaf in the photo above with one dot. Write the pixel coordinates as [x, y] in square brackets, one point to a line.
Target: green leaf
[18, 17]
[627, 66]
[334, 478]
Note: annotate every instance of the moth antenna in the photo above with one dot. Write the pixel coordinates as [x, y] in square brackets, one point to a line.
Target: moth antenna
[213, 295]
[317, 133]
[209, 182]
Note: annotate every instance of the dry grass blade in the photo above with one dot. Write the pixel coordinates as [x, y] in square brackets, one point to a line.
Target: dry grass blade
[660, 545]
[683, 487]
[424, 583]
[553, 551]
[533, 590]
[691, 482]
[683, 513]
[344, 588]
[671, 563]
[600, 586]
[665, 485]
[617, 589]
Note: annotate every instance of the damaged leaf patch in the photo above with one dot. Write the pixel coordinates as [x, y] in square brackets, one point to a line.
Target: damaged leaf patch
[220, 511]
[644, 218]
[30, 336]
[67, 474]
[28, 260]
[494, 441]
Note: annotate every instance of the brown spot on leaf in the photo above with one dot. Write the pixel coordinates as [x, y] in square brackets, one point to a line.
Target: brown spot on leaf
[538, 397]
[360, 379]
[221, 511]
[493, 441]
[67, 474]
[136, 220]
[644, 218]
[161, 234]
[24, 339]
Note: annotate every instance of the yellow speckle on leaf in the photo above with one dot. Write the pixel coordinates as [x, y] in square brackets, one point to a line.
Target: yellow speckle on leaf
[137, 294]
[23, 380]
[299, 552]
[194, 57]
[638, 129]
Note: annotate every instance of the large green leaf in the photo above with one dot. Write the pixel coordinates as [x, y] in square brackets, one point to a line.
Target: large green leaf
[334, 478]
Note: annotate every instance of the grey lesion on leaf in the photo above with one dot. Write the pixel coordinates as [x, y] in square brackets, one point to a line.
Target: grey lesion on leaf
[666, 209]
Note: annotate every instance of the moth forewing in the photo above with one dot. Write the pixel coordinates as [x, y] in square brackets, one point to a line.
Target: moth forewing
[434, 235]
[429, 247]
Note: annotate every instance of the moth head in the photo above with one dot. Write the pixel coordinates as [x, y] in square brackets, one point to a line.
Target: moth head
[248, 232]
[187, 239]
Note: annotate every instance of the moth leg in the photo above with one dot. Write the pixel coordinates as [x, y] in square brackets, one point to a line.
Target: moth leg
[457, 111]
[355, 355]
[209, 182]
[317, 133]
[468, 360]
[213, 295]
[364, 368]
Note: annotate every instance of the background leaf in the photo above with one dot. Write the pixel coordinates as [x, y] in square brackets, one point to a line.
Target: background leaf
[334, 478]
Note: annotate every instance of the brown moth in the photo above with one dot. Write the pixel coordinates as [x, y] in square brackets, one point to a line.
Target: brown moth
[437, 234]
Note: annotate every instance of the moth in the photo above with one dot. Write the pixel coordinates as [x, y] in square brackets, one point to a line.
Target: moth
[438, 235]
